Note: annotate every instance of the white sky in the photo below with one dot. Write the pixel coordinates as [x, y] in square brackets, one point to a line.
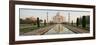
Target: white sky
[42, 13]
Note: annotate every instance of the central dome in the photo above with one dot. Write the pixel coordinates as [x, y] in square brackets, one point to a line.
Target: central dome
[58, 18]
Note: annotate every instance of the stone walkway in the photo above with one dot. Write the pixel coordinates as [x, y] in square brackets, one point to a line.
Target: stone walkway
[76, 29]
[40, 31]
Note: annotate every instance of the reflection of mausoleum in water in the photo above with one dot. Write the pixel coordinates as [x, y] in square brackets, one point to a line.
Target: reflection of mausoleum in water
[58, 18]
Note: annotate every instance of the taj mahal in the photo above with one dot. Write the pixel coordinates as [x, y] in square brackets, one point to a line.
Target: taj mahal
[58, 18]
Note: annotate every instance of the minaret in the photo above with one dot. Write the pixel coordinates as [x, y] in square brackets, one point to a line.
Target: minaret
[69, 17]
[47, 17]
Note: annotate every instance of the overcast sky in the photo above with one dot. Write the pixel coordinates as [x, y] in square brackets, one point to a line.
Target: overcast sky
[42, 13]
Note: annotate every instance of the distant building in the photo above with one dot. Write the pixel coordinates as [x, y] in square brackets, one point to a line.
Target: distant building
[58, 18]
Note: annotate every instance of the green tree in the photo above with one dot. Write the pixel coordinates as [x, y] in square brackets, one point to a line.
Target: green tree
[72, 23]
[77, 22]
[21, 21]
[84, 21]
[45, 22]
[38, 22]
[28, 21]
[41, 20]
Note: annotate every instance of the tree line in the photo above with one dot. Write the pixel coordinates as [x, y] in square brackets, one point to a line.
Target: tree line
[31, 21]
[83, 21]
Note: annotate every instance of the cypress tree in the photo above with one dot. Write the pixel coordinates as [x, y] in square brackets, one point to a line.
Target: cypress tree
[72, 23]
[77, 22]
[45, 22]
[84, 21]
[38, 22]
